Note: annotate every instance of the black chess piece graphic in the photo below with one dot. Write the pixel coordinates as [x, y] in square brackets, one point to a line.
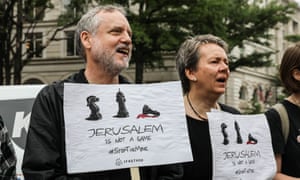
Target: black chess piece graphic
[225, 134]
[120, 98]
[91, 103]
[237, 129]
[148, 112]
[251, 139]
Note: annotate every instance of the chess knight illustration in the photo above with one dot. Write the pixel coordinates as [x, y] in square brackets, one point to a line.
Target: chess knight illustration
[94, 108]
[225, 134]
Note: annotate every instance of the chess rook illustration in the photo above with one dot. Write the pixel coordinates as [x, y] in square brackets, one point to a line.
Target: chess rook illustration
[122, 112]
[94, 108]
[225, 134]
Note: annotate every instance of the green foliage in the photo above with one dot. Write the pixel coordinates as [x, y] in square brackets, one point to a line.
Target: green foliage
[16, 19]
[34, 10]
[251, 23]
[282, 96]
[255, 108]
[72, 13]
[293, 38]
[160, 26]
[256, 59]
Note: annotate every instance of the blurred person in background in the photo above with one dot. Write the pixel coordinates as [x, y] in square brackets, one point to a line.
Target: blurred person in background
[287, 152]
[8, 158]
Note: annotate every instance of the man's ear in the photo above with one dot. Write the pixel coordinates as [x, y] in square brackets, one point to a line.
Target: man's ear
[296, 74]
[85, 38]
[190, 74]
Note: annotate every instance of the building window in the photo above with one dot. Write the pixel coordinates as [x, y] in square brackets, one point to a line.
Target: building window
[33, 11]
[34, 44]
[71, 44]
[243, 93]
[295, 27]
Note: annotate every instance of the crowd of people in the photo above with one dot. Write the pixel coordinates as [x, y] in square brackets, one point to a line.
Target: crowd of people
[104, 38]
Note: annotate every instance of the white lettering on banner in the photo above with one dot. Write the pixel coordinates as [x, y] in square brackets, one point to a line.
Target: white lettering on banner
[20, 123]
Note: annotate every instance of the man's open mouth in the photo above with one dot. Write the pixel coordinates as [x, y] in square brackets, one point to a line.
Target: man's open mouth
[123, 50]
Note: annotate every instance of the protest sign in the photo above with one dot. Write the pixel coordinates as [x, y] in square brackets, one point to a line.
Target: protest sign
[15, 108]
[241, 146]
[124, 125]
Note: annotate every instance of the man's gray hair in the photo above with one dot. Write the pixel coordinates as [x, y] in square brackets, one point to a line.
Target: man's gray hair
[90, 22]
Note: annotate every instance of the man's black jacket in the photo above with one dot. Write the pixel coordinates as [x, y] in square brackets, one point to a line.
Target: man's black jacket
[44, 156]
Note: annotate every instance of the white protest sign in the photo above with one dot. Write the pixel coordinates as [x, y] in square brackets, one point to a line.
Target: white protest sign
[241, 146]
[124, 125]
[19, 91]
[15, 108]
